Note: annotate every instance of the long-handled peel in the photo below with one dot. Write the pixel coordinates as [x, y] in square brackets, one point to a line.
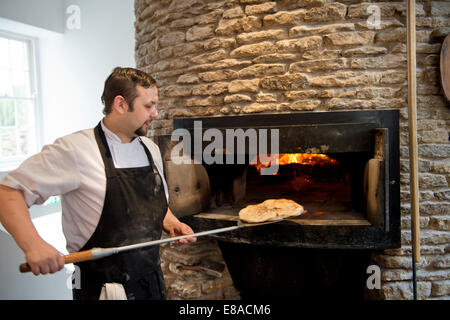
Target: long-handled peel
[98, 253]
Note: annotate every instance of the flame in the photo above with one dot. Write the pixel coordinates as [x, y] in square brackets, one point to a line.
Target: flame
[290, 158]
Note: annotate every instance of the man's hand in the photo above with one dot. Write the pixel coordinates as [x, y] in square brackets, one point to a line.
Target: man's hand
[175, 228]
[43, 258]
[181, 229]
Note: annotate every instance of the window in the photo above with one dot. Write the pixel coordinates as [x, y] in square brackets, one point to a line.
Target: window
[18, 100]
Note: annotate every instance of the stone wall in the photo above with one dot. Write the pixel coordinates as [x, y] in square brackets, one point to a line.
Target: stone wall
[229, 57]
[187, 276]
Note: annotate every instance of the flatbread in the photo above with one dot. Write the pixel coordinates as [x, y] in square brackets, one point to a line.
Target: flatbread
[270, 210]
[284, 207]
[256, 213]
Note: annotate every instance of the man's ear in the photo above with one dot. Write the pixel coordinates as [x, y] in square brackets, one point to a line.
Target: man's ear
[120, 104]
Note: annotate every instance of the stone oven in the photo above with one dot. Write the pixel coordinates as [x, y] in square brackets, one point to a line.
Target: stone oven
[331, 76]
[343, 168]
[350, 191]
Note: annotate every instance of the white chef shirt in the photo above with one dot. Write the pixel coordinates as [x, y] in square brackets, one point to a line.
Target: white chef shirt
[73, 167]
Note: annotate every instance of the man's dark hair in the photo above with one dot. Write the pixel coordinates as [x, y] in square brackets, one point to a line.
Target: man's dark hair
[123, 82]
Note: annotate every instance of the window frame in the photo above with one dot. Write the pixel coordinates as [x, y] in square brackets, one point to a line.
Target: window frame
[32, 46]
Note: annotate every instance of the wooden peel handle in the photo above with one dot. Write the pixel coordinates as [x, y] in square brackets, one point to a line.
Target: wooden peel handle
[70, 258]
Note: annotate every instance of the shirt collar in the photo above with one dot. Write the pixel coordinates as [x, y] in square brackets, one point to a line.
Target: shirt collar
[111, 136]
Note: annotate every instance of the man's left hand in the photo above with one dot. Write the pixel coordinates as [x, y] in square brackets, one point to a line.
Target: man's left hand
[181, 229]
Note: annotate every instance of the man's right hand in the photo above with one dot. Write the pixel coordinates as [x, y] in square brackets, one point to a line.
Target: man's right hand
[14, 216]
[43, 258]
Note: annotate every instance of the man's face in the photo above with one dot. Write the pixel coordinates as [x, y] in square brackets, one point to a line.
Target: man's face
[144, 109]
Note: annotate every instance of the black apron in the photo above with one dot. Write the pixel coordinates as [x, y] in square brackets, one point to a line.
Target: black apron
[134, 209]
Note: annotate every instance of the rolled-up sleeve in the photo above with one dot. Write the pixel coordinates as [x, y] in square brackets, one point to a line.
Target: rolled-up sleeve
[53, 171]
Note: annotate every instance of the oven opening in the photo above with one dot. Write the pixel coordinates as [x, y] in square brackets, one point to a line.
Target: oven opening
[342, 167]
[329, 186]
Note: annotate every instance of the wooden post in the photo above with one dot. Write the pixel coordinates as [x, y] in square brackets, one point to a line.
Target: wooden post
[413, 153]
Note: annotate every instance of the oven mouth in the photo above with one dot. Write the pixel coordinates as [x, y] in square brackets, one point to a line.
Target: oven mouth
[320, 183]
[348, 180]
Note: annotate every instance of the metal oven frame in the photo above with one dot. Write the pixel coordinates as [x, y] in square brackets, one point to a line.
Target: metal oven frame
[376, 132]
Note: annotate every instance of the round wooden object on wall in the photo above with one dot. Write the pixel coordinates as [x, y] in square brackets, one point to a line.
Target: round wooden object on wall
[445, 66]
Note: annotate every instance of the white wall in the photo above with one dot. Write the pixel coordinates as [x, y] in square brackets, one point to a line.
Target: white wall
[85, 58]
[45, 14]
[73, 65]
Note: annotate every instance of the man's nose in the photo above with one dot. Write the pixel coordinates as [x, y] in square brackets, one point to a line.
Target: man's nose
[153, 113]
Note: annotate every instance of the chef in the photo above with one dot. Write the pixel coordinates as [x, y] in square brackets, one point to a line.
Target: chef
[113, 193]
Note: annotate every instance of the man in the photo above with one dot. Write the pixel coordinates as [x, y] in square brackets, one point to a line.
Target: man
[113, 194]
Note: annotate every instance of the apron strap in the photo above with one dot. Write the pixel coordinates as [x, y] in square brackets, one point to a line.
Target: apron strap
[108, 161]
[158, 180]
[149, 156]
[104, 151]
